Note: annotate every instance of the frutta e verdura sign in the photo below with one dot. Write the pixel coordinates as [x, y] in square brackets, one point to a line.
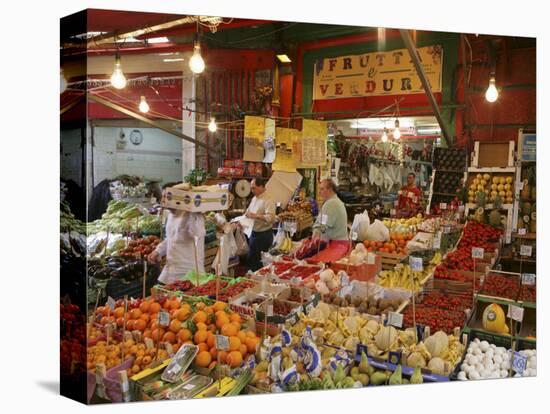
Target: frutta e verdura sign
[375, 74]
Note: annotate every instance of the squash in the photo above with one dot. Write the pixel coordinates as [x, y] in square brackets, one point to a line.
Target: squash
[494, 319]
[385, 337]
[437, 343]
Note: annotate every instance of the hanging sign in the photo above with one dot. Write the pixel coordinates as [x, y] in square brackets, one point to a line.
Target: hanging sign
[284, 158]
[313, 143]
[376, 74]
[254, 136]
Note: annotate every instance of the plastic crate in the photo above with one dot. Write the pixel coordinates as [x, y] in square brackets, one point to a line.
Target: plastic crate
[117, 288]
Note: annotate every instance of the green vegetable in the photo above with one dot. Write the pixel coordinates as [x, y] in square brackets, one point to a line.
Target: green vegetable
[416, 377]
[242, 381]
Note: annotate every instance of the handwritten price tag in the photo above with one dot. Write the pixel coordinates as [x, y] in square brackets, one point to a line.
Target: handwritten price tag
[528, 279]
[395, 319]
[525, 250]
[163, 318]
[269, 310]
[446, 229]
[478, 252]
[515, 313]
[371, 258]
[222, 342]
[416, 264]
[111, 303]
[437, 240]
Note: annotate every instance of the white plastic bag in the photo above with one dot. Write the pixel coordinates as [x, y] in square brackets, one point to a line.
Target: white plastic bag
[360, 225]
[378, 231]
[242, 244]
[223, 254]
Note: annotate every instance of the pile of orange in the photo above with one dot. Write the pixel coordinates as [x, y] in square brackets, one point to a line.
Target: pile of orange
[397, 244]
[185, 327]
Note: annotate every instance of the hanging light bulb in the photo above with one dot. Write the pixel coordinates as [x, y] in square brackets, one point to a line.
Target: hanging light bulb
[492, 93]
[118, 80]
[143, 105]
[385, 135]
[396, 131]
[196, 63]
[62, 82]
[212, 127]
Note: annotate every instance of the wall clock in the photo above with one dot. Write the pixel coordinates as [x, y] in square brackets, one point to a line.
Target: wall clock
[136, 137]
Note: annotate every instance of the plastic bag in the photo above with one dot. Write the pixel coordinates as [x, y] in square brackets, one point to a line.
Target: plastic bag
[360, 225]
[224, 253]
[242, 244]
[378, 231]
[279, 236]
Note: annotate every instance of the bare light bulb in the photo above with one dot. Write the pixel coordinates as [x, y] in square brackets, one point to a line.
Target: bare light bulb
[62, 82]
[385, 135]
[212, 127]
[396, 130]
[143, 105]
[196, 63]
[492, 93]
[118, 80]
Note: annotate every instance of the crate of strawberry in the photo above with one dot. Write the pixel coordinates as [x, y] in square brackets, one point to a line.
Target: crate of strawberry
[235, 289]
[436, 318]
[477, 234]
[276, 268]
[501, 285]
[528, 293]
[140, 247]
[208, 288]
[456, 302]
[300, 273]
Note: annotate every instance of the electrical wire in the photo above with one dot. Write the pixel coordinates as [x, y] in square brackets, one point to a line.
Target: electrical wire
[288, 26]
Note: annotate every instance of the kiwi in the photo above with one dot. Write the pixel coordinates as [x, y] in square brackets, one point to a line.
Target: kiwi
[357, 302]
[337, 301]
[344, 303]
[372, 310]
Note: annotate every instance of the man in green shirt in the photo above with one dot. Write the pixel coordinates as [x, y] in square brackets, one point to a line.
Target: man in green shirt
[332, 221]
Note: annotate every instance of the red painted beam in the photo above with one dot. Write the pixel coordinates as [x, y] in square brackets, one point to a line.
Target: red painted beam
[191, 28]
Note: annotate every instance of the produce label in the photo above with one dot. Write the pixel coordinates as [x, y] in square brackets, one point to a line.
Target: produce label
[164, 318]
[392, 212]
[416, 263]
[519, 362]
[525, 250]
[443, 206]
[371, 258]
[269, 310]
[344, 280]
[222, 342]
[515, 313]
[111, 303]
[519, 185]
[375, 74]
[478, 252]
[395, 319]
[446, 229]
[522, 232]
[528, 278]
[437, 240]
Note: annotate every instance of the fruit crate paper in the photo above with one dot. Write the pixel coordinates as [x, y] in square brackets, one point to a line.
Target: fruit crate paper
[254, 136]
[314, 143]
[284, 159]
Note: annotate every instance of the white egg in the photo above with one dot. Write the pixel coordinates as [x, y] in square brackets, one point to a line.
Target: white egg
[463, 366]
[474, 375]
[470, 350]
[484, 345]
[489, 353]
[501, 349]
[532, 362]
[493, 346]
[497, 359]
[494, 374]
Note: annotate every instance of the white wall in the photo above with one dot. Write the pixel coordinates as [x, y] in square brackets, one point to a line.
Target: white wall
[71, 155]
[158, 157]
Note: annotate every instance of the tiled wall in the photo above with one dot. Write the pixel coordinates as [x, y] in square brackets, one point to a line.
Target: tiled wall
[71, 155]
[157, 157]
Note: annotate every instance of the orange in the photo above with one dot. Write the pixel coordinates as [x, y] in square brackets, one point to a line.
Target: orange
[221, 320]
[235, 317]
[166, 304]
[147, 333]
[182, 314]
[236, 325]
[203, 347]
[251, 334]
[130, 325]
[157, 334]
[223, 356]
[184, 334]
[169, 337]
[210, 339]
[242, 336]
[200, 336]
[175, 326]
[200, 305]
[214, 353]
[174, 304]
[219, 306]
[234, 359]
[203, 359]
[154, 307]
[251, 344]
[201, 326]
[120, 321]
[229, 330]
[234, 343]
[144, 307]
[101, 310]
[140, 324]
[154, 324]
[103, 320]
[243, 349]
[118, 312]
[200, 316]
[209, 310]
[135, 313]
[145, 317]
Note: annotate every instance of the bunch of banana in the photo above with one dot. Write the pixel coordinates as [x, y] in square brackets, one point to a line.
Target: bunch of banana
[403, 277]
[454, 351]
[437, 259]
[285, 246]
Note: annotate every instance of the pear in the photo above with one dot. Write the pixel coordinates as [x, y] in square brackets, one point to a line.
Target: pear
[416, 377]
[339, 374]
[378, 378]
[395, 378]
[354, 373]
[363, 379]
[364, 364]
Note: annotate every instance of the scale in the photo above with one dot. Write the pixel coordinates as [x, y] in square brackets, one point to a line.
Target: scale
[242, 191]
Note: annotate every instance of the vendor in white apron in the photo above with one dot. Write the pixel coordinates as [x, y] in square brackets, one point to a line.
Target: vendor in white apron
[178, 246]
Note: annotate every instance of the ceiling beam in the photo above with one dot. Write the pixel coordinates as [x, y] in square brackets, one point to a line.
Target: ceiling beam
[405, 35]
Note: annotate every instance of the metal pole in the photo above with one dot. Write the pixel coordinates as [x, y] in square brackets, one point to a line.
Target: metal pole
[420, 71]
[147, 121]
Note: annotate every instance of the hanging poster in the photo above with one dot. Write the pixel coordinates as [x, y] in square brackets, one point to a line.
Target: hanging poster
[269, 141]
[313, 143]
[375, 74]
[284, 159]
[254, 135]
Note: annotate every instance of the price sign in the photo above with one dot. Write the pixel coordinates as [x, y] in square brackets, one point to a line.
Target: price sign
[443, 206]
[519, 185]
[269, 310]
[437, 241]
[395, 319]
[525, 250]
[478, 252]
[222, 342]
[163, 318]
[392, 212]
[308, 308]
[354, 235]
[461, 208]
[528, 279]
[515, 313]
[416, 264]
[522, 232]
[111, 303]
[446, 229]
[371, 258]
[519, 362]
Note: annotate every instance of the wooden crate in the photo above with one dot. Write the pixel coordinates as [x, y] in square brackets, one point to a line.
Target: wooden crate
[390, 260]
[493, 154]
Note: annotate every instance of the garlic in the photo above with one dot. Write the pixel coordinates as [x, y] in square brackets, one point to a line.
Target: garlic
[462, 376]
[474, 375]
[503, 373]
[484, 345]
[497, 359]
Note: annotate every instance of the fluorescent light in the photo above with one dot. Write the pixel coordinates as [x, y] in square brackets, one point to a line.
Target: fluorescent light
[284, 58]
[173, 60]
[88, 35]
[158, 40]
[129, 39]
